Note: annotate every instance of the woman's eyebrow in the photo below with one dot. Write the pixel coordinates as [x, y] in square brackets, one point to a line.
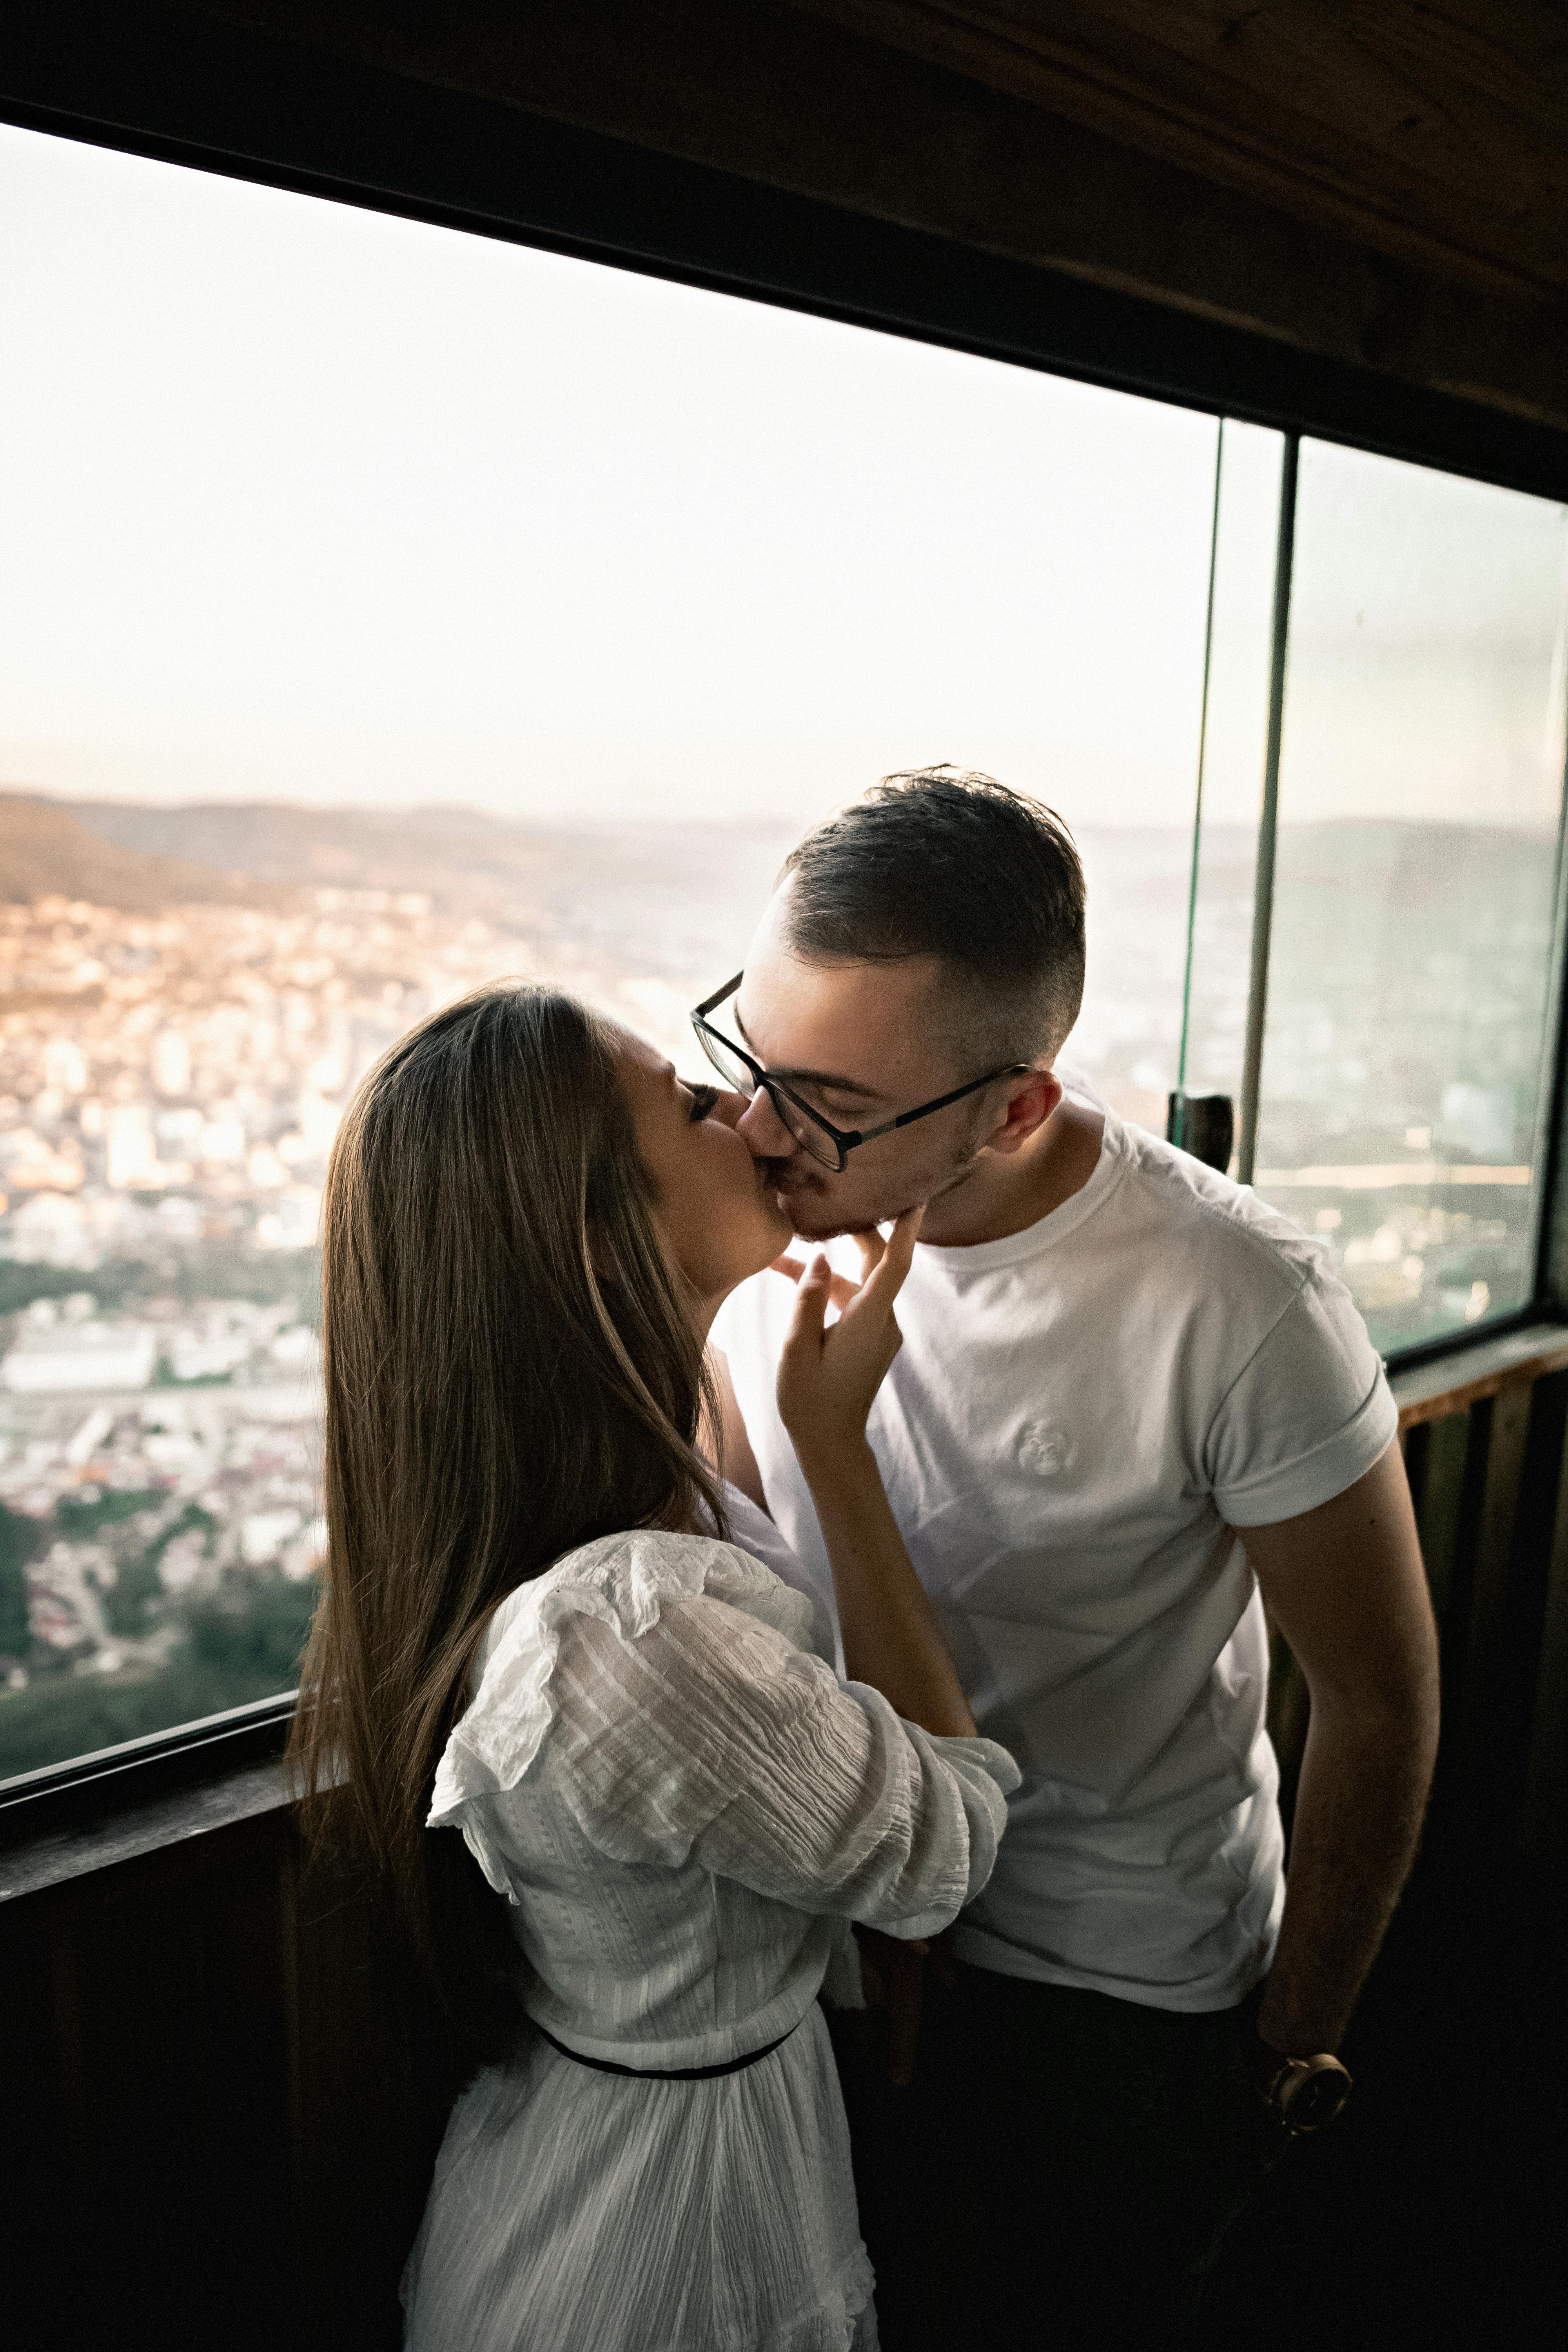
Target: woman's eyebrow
[834, 1079]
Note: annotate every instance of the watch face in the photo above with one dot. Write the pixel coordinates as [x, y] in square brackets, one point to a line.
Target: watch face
[1316, 2099]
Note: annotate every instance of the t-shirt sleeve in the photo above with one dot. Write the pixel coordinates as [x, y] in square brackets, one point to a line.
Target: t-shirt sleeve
[1308, 1412]
[712, 1739]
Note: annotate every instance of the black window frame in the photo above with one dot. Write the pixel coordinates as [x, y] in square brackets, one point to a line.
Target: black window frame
[243, 103]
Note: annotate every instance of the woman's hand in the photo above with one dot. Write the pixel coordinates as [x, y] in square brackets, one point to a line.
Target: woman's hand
[826, 1382]
[827, 1377]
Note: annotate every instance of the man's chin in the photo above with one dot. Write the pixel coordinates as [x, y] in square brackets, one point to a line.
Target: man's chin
[817, 1229]
[812, 1213]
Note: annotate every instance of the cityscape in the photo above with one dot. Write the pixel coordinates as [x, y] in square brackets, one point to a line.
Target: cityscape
[189, 997]
[173, 1068]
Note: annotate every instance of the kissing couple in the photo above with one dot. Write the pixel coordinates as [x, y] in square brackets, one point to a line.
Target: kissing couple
[710, 1626]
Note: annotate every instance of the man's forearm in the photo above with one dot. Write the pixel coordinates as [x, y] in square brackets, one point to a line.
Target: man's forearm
[1346, 1587]
[1358, 1810]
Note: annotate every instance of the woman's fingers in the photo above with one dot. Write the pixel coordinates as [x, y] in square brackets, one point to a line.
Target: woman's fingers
[870, 1245]
[901, 1240]
[886, 1263]
[813, 1285]
[841, 1290]
[885, 1279]
[827, 1379]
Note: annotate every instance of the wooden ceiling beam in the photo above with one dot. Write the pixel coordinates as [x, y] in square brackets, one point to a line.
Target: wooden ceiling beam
[1437, 134]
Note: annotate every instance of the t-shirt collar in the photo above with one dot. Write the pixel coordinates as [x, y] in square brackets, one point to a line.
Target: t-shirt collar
[981, 1257]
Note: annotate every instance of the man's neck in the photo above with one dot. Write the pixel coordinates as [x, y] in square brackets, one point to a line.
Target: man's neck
[1005, 1194]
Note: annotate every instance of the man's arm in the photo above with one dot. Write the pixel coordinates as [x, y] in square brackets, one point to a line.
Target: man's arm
[1346, 1586]
[738, 1462]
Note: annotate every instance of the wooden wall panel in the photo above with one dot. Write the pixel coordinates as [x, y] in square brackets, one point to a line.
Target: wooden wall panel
[1491, 1509]
[1544, 1827]
[143, 2050]
[1472, 1647]
[1437, 1456]
[1505, 1649]
[222, 2099]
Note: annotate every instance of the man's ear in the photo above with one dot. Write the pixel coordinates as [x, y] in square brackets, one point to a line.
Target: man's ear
[1028, 1103]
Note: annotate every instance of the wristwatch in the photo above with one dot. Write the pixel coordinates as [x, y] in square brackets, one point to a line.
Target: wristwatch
[1302, 2095]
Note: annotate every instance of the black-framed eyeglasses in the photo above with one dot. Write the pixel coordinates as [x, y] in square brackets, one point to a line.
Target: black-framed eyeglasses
[830, 1144]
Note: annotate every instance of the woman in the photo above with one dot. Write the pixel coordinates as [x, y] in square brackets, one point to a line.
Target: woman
[526, 1636]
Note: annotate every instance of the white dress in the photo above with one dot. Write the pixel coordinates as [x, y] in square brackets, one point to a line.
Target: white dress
[685, 1808]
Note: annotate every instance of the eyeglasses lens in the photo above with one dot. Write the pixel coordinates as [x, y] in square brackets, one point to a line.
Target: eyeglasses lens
[731, 1068]
[809, 1137]
[743, 1079]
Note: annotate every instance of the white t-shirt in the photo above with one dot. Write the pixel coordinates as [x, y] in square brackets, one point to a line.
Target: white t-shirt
[1079, 1416]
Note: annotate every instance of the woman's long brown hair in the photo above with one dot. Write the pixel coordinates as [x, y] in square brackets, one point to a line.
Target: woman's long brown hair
[510, 1369]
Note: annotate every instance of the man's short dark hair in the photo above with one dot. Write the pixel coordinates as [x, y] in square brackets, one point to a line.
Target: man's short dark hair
[946, 863]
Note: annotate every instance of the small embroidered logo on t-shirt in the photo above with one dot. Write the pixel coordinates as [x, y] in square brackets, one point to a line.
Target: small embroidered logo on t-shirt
[1042, 1449]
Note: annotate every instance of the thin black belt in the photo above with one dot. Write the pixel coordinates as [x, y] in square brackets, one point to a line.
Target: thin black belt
[668, 2074]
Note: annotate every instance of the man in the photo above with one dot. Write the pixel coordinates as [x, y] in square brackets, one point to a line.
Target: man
[1132, 1406]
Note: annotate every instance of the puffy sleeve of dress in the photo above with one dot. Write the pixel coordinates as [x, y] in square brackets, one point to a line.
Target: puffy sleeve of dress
[694, 1726]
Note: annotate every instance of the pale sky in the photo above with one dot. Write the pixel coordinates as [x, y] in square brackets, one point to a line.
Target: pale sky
[308, 502]
[303, 502]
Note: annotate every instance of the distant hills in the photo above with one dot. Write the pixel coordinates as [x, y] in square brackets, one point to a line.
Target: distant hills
[455, 852]
[45, 851]
[121, 854]
[136, 858]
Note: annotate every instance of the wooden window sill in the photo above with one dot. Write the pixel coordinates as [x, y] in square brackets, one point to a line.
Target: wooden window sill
[1453, 1383]
[132, 1828]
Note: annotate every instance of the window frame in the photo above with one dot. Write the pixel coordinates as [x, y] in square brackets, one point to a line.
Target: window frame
[65, 1798]
[218, 97]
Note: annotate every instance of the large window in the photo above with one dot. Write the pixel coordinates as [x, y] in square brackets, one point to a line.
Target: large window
[384, 608]
[1407, 1046]
[1391, 961]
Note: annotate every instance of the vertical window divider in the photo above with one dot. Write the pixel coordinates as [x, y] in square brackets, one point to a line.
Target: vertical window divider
[1550, 1240]
[1268, 822]
[1180, 1137]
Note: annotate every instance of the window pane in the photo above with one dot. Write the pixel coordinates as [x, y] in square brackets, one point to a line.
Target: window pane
[1410, 981]
[384, 609]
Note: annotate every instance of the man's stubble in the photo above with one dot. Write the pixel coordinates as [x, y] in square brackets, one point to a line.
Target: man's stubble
[806, 1199]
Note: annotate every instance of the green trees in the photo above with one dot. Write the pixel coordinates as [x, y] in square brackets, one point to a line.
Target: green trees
[19, 1542]
[242, 1643]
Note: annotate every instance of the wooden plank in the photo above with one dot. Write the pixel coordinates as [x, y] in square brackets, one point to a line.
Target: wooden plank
[1438, 1503]
[1543, 1818]
[152, 2036]
[31, 1866]
[1454, 1516]
[1452, 1384]
[1436, 140]
[1479, 1662]
[43, 2228]
[1503, 1663]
